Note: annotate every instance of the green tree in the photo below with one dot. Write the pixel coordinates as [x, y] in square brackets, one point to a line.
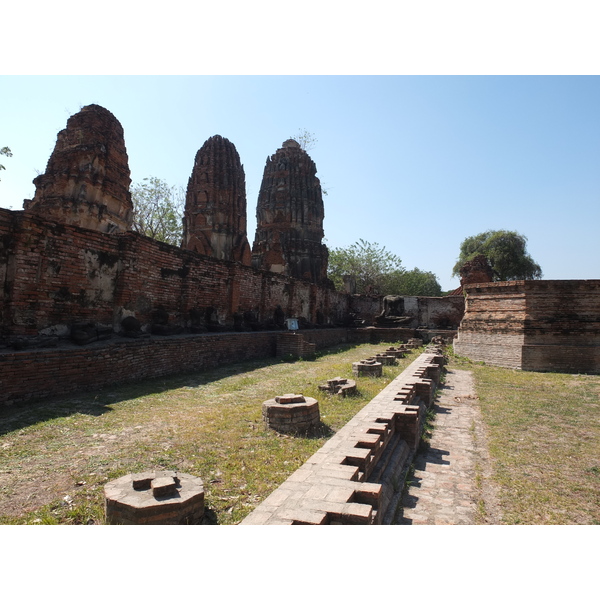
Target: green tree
[413, 283]
[506, 252]
[158, 210]
[5, 152]
[371, 265]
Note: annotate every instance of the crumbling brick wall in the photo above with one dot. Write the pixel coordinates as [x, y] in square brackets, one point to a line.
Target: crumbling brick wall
[533, 325]
[54, 274]
[34, 374]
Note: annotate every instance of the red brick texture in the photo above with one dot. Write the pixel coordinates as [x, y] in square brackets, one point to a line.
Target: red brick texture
[533, 325]
[86, 182]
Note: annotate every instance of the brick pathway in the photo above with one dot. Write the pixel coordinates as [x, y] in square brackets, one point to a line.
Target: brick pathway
[443, 488]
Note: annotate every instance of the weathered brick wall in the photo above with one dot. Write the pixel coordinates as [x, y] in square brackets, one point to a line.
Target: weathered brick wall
[54, 274]
[366, 307]
[533, 325]
[443, 312]
[432, 312]
[35, 374]
[159, 275]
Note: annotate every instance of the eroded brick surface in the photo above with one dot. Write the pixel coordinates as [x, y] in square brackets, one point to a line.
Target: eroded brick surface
[533, 325]
[290, 216]
[215, 211]
[86, 182]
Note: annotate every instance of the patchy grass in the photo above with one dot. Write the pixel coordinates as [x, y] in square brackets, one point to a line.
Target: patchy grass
[544, 440]
[57, 455]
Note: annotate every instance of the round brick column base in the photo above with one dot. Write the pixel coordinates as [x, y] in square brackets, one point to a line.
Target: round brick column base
[291, 413]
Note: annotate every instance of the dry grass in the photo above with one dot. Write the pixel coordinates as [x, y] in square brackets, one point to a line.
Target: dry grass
[544, 439]
[57, 455]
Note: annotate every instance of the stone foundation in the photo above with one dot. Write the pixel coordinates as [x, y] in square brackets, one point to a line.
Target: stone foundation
[339, 386]
[291, 413]
[367, 368]
[154, 498]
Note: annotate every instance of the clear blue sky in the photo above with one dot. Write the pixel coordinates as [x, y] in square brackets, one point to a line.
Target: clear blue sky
[415, 163]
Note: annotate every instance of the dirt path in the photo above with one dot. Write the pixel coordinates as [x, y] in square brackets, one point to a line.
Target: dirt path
[451, 483]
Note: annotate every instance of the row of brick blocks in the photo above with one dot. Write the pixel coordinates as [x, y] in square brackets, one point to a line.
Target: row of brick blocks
[357, 476]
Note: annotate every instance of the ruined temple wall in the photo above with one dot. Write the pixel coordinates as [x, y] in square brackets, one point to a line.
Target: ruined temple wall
[492, 327]
[6, 244]
[56, 274]
[440, 312]
[36, 374]
[533, 325]
[431, 312]
[333, 305]
[562, 327]
[157, 275]
[563, 312]
[366, 307]
[6, 265]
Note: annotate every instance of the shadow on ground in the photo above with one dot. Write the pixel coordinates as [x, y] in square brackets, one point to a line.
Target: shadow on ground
[97, 401]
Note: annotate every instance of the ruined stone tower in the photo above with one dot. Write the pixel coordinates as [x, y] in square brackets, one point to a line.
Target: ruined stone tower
[87, 178]
[214, 221]
[290, 216]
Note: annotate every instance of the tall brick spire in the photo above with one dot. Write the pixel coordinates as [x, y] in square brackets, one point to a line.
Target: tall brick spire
[290, 216]
[87, 178]
[214, 221]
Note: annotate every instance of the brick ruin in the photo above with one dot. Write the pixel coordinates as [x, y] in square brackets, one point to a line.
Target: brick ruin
[86, 182]
[289, 216]
[476, 270]
[214, 221]
[533, 325]
[356, 477]
[73, 273]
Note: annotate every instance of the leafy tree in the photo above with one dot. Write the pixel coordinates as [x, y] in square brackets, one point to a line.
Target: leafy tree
[158, 210]
[5, 152]
[506, 252]
[375, 270]
[371, 266]
[414, 283]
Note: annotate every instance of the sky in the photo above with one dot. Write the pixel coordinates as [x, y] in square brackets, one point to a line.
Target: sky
[413, 163]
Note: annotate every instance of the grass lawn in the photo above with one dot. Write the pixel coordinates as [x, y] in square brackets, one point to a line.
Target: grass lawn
[56, 456]
[544, 439]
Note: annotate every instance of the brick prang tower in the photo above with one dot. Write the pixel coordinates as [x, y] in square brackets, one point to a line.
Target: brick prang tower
[87, 178]
[214, 221]
[290, 217]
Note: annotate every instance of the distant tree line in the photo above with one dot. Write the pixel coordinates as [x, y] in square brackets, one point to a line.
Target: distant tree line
[376, 270]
